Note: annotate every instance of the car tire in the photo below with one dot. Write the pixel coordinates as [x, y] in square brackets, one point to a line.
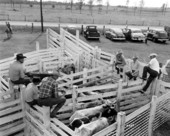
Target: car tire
[87, 37]
[164, 42]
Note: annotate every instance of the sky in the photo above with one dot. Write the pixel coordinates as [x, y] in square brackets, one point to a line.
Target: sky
[147, 3]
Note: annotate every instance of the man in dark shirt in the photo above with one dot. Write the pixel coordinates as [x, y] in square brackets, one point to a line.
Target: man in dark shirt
[49, 94]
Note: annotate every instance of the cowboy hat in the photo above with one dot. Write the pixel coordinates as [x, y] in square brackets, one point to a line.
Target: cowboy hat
[20, 56]
[153, 54]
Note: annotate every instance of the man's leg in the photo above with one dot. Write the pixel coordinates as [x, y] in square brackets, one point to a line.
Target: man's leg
[59, 102]
[145, 70]
[150, 79]
[129, 74]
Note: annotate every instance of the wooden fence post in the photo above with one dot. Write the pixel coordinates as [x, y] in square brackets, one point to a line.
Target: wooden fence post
[74, 97]
[119, 93]
[47, 37]
[120, 124]
[153, 87]
[37, 46]
[22, 97]
[46, 116]
[152, 115]
[77, 34]
[84, 75]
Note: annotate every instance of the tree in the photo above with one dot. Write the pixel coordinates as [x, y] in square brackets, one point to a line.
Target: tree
[90, 3]
[80, 5]
[164, 8]
[107, 5]
[141, 5]
[71, 4]
[127, 4]
[99, 5]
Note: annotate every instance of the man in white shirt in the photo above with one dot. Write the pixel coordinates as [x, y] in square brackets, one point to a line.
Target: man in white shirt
[31, 92]
[134, 68]
[153, 69]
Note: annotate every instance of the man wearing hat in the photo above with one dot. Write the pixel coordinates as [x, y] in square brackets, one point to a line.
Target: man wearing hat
[31, 92]
[120, 62]
[153, 69]
[17, 72]
[50, 95]
[134, 68]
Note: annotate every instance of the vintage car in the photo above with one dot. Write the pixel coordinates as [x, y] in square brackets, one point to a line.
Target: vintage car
[167, 29]
[91, 32]
[71, 29]
[157, 35]
[115, 34]
[133, 34]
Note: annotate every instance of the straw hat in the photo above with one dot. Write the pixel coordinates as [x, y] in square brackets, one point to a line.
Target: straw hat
[119, 52]
[135, 57]
[153, 54]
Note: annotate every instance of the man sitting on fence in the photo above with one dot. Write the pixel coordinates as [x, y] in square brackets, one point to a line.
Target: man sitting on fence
[50, 95]
[17, 72]
[153, 69]
[31, 92]
[134, 69]
[120, 62]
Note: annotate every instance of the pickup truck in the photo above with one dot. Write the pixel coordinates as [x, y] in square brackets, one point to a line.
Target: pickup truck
[91, 32]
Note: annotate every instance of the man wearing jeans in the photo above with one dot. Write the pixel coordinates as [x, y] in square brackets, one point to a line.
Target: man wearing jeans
[153, 69]
[49, 95]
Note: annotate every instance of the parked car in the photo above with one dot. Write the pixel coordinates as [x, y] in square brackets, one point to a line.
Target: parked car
[134, 34]
[157, 35]
[71, 29]
[91, 32]
[115, 34]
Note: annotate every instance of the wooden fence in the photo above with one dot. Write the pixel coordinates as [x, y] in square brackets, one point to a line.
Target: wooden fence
[12, 113]
[142, 121]
[78, 48]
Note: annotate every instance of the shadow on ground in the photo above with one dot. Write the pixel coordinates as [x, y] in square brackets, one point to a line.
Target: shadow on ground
[163, 130]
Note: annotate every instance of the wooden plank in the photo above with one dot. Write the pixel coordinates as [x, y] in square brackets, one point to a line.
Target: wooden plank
[10, 125]
[134, 105]
[63, 126]
[96, 96]
[12, 117]
[39, 124]
[6, 105]
[58, 130]
[10, 110]
[120, 124]
[12, 130]
[107, 130]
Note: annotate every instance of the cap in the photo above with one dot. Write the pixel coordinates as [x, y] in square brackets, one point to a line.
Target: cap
[153, 54]
[135, 57]
[20, 56]
[119, 52]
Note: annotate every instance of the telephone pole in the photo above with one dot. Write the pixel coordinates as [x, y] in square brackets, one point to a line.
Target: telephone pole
[41, 14]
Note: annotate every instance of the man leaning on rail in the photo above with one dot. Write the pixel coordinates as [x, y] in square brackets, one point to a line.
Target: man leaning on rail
[50, 95]
[17, 72]
[153, 69]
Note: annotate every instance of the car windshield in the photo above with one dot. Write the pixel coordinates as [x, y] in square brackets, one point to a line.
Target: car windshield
[92, 27]
[136, 31]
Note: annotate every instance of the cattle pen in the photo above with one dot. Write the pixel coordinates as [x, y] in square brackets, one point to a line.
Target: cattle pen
[94, 79]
